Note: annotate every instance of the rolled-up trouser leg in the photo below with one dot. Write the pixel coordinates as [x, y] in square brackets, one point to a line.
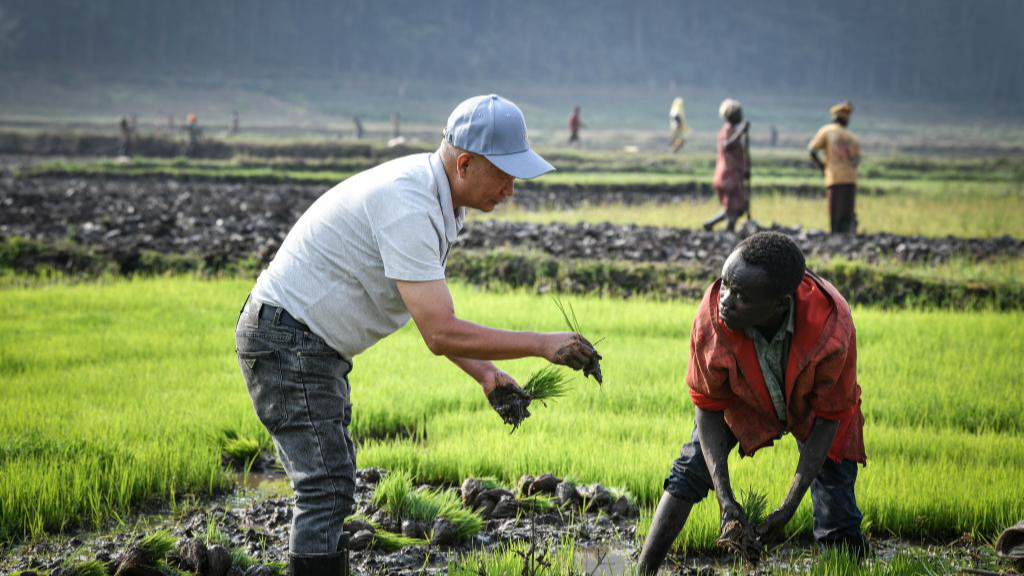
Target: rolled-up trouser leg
[690, 479]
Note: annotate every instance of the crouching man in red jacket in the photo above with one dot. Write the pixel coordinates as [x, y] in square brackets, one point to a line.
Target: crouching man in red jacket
[773, 350]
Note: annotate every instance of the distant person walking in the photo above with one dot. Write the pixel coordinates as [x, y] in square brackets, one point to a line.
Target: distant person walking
[575, 123]
[842, 156]
[236, 123]
[127, 138]
[773, 136]
[357, 124]
[193, 131]
[731, 166]
[677, 123]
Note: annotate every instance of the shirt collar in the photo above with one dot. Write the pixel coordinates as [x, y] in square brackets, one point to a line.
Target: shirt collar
[453, 219]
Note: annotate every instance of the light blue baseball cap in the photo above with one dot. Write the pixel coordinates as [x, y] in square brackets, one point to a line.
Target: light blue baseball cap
[496, 129]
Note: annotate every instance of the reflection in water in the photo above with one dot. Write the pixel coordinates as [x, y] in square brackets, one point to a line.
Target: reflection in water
[602, 561]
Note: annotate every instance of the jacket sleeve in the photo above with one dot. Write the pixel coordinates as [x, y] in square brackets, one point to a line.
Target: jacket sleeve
[708, 383]
[835, 381]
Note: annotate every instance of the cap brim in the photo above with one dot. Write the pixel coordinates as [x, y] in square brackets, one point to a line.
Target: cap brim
[527, 164]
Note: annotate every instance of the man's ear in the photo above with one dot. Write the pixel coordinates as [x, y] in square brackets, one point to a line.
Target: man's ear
[462, 163]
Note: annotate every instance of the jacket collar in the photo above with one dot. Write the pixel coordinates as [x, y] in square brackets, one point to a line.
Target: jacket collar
[815, 304]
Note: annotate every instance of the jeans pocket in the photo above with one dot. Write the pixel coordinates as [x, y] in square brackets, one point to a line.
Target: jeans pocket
[323, 378]
[263, 379]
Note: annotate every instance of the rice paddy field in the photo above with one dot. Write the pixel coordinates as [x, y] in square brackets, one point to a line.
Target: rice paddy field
[113, 394]
[121, 395]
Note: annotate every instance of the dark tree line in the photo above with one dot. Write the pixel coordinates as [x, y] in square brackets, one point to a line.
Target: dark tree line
[926, 49]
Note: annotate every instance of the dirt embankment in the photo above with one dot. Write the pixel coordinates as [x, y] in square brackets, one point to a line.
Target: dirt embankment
[224, 222]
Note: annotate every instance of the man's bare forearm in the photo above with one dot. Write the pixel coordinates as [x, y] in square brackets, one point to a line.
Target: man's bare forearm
[812, 458]
[713, 433]
[464, 339]
[476, 369]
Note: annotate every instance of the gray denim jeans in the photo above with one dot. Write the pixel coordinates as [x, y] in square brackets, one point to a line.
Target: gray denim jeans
[299, 388]
[837, 518]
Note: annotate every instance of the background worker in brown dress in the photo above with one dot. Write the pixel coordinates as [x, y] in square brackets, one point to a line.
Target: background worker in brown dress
[731, 166]
[842, 155]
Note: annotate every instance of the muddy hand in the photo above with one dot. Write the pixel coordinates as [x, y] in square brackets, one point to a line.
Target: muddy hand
[509, 400]
[737, 535]
[773, 530]
[577, 353]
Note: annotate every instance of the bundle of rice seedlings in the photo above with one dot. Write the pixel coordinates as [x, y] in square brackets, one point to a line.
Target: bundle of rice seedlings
[148, 551]
[547, 383]
[391, 542]
[391, 492]
[755, 505]
[86, 568]
[396, 496]
[236, 449]
[569, 315]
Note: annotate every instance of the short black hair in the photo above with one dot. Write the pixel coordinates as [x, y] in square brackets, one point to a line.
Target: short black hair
[779, 256]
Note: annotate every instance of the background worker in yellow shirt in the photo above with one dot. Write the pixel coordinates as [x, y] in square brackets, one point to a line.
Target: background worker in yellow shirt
[677, 120]
[842, 155]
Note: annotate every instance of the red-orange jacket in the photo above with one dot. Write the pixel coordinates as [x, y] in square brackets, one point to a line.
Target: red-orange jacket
[821, 373]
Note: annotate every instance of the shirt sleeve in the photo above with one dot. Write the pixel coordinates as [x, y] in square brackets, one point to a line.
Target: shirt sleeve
[818, 142]
[708, 385]
[835, 383]
[411, 249]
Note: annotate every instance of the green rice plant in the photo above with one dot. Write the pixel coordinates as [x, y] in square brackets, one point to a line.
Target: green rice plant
[755, 505]
[538, 502]
[391, 542]
[392, 492]
[240, 450]
[95, 422]
[395, 494]
[214, 536]
[546, 384]
[157, 545]
[569, 315]
[520, 557]
[86, 568]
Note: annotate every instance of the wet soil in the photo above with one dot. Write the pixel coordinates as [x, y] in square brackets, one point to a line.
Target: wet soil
[224, 223]
[257, 516]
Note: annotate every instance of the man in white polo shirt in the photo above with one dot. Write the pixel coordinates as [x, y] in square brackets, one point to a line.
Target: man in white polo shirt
[364, 258]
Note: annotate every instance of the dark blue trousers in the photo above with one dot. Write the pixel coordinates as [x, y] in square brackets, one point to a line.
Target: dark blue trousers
[836, 515]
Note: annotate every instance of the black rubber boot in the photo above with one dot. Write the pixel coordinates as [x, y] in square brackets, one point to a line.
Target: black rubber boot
[343, 550]
[318, 564]
[668, 520]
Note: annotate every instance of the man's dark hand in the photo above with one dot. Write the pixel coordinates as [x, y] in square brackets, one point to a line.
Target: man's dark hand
[572, 350]
[773, 530]
[509, 400]
[736, 533]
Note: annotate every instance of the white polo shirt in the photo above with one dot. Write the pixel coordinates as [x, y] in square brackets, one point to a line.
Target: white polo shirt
[336, 269]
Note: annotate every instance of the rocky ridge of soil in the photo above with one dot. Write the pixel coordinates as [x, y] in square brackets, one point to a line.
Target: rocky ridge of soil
[226, 222]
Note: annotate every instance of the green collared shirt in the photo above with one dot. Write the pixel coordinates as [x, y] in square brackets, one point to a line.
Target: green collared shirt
[772, 357]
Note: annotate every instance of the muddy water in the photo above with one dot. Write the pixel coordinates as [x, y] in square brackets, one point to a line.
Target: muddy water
[604, 561]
